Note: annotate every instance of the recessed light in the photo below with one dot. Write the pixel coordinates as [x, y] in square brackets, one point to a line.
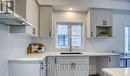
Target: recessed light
[23, 23]
[70, 8]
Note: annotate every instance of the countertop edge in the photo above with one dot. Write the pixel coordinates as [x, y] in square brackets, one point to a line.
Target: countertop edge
[40, 57]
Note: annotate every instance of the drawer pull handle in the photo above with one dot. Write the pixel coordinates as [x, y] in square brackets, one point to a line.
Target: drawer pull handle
[55, 60]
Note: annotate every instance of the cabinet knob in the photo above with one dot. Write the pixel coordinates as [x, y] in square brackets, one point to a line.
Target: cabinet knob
[50, 33]
[104, 22]
[34, 31]
[74, 65]
[109, 59]
[55, 60]
[91, 34]
[71, 65]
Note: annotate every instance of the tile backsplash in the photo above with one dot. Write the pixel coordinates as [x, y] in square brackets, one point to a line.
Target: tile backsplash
[11, 45]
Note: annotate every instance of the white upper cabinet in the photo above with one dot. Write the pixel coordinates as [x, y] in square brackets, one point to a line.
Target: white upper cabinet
[103, 17]
[29, 10]
[35, 19]
[99, 23]
[45, 28]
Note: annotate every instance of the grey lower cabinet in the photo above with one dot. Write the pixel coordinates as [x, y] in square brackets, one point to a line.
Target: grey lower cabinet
[107, 62]
[68, 66]
[57, 65]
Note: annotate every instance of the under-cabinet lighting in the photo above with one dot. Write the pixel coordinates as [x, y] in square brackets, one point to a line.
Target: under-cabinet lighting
[23, 23]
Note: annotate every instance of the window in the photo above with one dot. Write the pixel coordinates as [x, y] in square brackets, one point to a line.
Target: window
[62, 36]
[69, 34]
[127, 38]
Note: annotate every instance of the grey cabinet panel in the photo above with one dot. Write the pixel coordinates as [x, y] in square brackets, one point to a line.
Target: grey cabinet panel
[99, 17]
[68, 66]
[107, 62]
[45, 29]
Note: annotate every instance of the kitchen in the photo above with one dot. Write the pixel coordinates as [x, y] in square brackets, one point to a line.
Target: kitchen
[44, 16]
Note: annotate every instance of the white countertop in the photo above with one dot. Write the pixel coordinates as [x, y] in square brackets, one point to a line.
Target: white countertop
[117, 71]
[40, 57]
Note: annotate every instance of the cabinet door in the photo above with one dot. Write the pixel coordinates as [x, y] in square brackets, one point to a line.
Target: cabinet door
[43, 68]
[107, 62]
[35, 16]
[80, 73]
[62, 70]
[103, 17]
[79, 66]
[113, 61]
[99, 17]
[24, 69]
[29, 11]
[101, 62]
[45, 22]
[51, 65]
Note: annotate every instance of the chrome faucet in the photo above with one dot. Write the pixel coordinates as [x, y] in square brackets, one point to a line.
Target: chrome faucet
[70, 46]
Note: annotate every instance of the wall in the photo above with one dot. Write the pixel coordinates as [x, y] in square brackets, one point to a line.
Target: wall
[10, 46]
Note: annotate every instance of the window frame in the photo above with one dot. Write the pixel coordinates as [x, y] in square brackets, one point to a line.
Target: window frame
[126, 25]
[69, 33]
[80, 24]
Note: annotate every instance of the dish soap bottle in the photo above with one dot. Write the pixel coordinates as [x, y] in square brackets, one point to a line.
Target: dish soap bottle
[29, 49]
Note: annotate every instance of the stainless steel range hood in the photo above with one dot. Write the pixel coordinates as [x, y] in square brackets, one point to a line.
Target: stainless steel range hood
[8, 15]
[12, 19]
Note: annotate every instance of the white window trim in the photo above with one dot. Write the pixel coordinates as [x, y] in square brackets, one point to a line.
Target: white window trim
[55, 35]
[125, 25]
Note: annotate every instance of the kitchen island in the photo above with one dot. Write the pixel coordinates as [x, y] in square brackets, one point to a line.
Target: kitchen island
[116, 71]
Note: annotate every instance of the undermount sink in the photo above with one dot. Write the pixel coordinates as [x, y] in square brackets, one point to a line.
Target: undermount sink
[71, 53]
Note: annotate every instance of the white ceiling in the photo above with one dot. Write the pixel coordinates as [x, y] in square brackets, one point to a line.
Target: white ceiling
[83, 5]
[122, 0]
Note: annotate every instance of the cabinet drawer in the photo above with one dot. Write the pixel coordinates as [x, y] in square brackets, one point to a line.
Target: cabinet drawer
[69, 60]
[81, 61]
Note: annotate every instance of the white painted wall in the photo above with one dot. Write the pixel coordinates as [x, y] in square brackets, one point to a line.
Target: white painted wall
[68, 16]
[10, 47]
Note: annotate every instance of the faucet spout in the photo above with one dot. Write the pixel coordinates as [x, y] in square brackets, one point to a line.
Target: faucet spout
[70, 47]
